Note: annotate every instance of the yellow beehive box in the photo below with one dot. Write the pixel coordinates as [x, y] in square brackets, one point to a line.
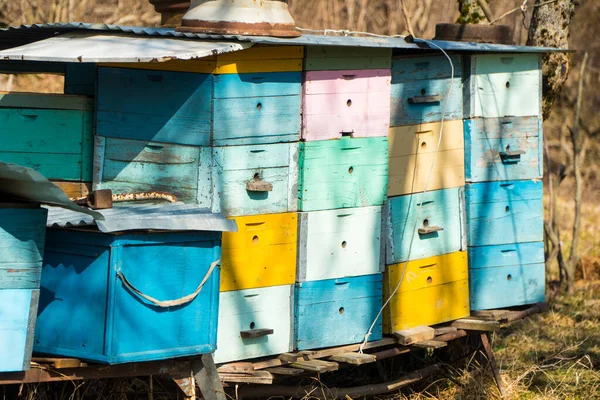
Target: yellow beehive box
[261, 254]
[412, 152]
[433, 290]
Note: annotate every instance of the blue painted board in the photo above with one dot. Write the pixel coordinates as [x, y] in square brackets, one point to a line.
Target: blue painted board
[256, 120]
[504, 212]
[80, 78]
[509, 286]
[111, 324]
[264, 84]
[336, 312]
[159, 106]
[489, 142]
[22, 235]
[438, 208]
[513, 254]
[407, 108]
[56, 143]
[18, 308]
[425, 67]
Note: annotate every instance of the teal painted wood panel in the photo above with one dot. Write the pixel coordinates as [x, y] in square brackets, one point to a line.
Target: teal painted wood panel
[487, 138]
[243, 310]
[339, 243]
[412, 68]
[327, 58]
[56, 143]
[256, 120]
[439, 208]
[235, 166]
[18, 310]
[407, 108]
[504, 212]
[500, 287]
[130, 166]
[265, 84]
[114, 325]
[504, 85]
[22, 235]
[344, 173]
[344, 308]
[513, 254]
[158, 106]
[80, 78]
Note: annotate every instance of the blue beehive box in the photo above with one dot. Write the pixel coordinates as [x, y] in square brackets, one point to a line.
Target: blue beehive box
[97, 292]
[21, 248]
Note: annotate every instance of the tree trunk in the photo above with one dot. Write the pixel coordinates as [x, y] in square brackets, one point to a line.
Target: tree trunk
[550, 28]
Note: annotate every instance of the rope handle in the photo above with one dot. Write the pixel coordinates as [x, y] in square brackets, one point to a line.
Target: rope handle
[170, 303]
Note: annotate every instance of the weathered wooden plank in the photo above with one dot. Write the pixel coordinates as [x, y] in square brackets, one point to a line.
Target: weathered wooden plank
[339, 243]
[319, 366]
[74, 189]
[284, 371]
[261, 59]
[264, 308]
[346, 308]
[492, 146]
[256, 377]
[263, 84]
[414, 335]
[171, 107]
[439, 208]
[514, 254]
[504, 85]
[504, 212]
[237, 367]
[430, 344]
[442, 330]
[354, 358]
[46, 101]
[470, 324]
[412, 152]
[525, 283]
[342, 173]
[60, 363]
[261, 253]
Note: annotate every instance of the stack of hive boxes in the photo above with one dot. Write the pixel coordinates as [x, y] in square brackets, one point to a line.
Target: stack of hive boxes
[424, 232]
[503, 142]
[342, 186]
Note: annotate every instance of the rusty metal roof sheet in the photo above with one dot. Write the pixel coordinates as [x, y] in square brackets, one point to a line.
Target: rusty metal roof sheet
[16, 36]
[169, 217]
[18, 183]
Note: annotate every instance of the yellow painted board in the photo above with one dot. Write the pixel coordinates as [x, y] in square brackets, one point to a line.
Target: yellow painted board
[261, 254]
[434, 290]
[411, 157]
[254, 59]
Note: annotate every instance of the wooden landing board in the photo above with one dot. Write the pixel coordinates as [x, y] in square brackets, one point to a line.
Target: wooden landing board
[430, 344]
[471, 324]
[414, 335]
[315, 365]
[354, 358]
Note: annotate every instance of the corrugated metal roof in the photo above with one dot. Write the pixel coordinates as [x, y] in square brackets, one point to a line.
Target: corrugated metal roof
[31, 33]
[168, 217]
[86, 46]
[26, 184]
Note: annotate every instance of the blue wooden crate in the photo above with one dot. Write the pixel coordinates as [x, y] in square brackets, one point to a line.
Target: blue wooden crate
[336, 312]
[506, 275]
[420, 88]
[504, 212]
[256, 108]
[22, 233]
[439, 227]
[87, 311]
[158, 106]
[498, 149]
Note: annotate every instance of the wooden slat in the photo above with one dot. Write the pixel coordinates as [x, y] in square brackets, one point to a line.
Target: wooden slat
[59, 363]
[238, 367]
[256, 377]
[442, 330]
[284, 371]
[354, 358]
[414, 335]
[471, 324]
[319, 366]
